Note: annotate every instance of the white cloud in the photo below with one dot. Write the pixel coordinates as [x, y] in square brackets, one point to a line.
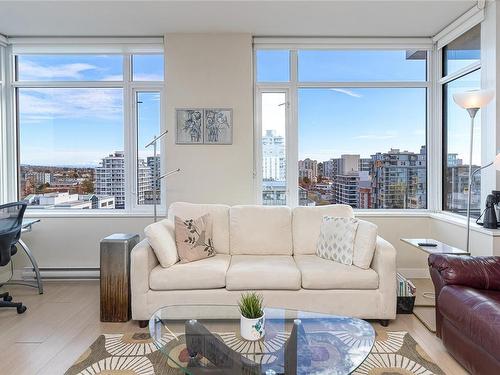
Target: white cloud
[32, 71]
[348, 92]
[37, 105]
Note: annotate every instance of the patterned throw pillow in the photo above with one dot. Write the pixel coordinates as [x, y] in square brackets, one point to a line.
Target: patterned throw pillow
[193, 238]
[336, 239]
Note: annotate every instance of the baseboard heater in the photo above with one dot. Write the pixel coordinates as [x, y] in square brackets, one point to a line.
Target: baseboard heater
[62, 273]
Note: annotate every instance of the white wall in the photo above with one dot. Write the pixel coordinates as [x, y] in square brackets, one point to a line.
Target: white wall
[203, 71]
[73, 242]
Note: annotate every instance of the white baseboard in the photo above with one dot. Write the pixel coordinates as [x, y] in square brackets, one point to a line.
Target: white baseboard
[55, 273]
[415, 273]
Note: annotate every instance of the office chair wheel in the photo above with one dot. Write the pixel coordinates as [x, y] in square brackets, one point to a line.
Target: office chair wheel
[21, 309]
[7, 298]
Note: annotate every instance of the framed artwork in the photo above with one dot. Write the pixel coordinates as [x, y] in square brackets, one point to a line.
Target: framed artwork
[218, 126]
[204, 126]
[189, 126]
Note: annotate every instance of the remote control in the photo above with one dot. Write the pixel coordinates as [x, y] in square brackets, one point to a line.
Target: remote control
[430, 244]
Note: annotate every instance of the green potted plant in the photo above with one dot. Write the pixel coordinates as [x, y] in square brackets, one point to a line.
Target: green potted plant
[252, 316]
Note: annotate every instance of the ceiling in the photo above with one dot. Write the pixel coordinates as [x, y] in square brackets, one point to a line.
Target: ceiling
[268, 18]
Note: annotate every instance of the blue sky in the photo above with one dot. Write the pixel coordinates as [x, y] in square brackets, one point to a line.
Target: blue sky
[349, 120]
[79, 126]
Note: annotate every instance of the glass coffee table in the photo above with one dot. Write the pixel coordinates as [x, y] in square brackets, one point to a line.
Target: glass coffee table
[205, 339]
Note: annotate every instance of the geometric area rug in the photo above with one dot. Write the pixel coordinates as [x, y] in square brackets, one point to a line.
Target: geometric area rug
[394, 352]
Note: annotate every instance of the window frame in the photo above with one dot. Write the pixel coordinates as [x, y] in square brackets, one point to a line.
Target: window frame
[442, 82]
[128, 86]
[294, 85]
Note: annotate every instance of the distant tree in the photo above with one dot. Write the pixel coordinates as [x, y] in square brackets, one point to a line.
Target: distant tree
[87, 186]
[306, 180]
[42, 188]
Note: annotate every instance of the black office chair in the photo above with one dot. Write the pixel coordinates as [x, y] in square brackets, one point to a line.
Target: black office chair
[11, 218]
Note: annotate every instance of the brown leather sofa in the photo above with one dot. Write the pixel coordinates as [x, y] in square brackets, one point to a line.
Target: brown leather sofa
[468, 309]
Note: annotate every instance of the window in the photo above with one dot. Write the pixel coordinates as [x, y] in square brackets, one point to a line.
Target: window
[273, 66]
[367, 66]
[362, 144]
[148, 164]
[69, 68]
[73, 135]
[461, 55]
[147, 67]
[274, 118]
[462, 52]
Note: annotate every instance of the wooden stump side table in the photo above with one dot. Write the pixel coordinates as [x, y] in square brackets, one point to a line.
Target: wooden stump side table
[115, 277]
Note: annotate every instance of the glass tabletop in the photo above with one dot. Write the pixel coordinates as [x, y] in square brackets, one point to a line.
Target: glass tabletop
[205, 339]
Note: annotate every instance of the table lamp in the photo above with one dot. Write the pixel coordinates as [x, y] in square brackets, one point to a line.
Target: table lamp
[472, 101]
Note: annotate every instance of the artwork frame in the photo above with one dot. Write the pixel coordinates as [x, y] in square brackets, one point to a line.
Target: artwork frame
[218, 126]
[189, 126]
[209, 126]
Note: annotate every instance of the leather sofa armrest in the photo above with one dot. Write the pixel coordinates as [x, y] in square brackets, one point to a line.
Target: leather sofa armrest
[384, 263]
[142, 262]
[474, 272]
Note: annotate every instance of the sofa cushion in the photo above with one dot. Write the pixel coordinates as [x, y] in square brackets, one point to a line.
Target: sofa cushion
[307, 221]
[475, 312]
[219, 214]
[260, 230]
[318, 273]
[257, 272]
[364, 244]
[209, 273]
[161, 238]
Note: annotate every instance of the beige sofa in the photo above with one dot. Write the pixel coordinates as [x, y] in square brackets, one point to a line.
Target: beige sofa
[271, 250]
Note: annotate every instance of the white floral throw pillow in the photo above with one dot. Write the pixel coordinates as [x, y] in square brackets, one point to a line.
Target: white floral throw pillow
[194, 238]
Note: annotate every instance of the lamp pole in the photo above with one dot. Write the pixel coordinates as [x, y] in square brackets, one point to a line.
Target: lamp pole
[472, 113]
[156, 179]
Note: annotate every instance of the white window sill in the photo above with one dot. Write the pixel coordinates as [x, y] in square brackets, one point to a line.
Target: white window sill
[392, 213]
[90, 214]
[461, 221]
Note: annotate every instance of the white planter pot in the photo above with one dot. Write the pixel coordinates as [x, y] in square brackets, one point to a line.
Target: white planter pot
[252, 329]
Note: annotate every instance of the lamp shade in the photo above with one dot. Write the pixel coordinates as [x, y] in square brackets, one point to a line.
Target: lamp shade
[473, 98]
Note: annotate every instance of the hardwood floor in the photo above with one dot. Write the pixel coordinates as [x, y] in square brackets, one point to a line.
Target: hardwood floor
[60, 324]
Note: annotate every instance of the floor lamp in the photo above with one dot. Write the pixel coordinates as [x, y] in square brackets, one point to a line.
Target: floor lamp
[155, 170]
[472, 101]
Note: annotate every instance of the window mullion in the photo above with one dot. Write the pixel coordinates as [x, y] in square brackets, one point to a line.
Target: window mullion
[292, 134]
[130, 138]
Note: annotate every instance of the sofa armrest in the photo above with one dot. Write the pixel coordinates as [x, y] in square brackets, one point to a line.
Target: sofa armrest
[142, 261]
[384, 263]
[474, 272]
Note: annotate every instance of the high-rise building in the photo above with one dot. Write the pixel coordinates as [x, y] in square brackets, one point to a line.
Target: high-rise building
[346, 182]
[365, 165]
[331, 168]
[154, 165]
[399, 179]
[145, 182]
[308, 168]
[346, 189]
[110, 179]
[273, 156]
